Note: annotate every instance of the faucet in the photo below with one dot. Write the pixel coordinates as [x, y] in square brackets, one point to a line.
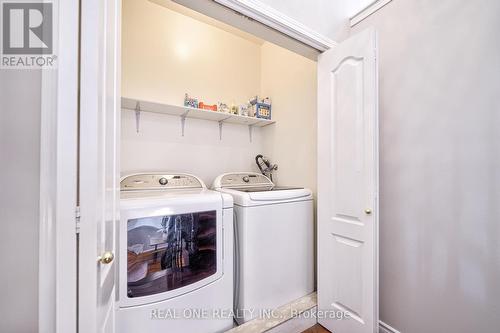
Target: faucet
[265, 166]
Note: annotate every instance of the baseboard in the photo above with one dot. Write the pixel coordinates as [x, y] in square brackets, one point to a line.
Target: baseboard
[385, 328]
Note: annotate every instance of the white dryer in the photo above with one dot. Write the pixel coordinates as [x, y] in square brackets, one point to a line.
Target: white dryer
[175, 256]
[274, 243]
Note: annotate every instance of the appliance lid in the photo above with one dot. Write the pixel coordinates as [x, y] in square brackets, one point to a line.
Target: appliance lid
[154, 200]
[285, 195]
[266, 188]
[250, 188]
[249, 198]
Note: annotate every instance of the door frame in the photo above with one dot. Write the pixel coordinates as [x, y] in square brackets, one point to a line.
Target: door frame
[99, 129]
[57, 270]
[274, 19]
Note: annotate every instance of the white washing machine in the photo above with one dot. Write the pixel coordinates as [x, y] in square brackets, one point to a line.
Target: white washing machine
[274, 242]
[175, 256]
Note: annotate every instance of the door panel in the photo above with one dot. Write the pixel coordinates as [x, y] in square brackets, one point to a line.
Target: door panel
[346, 139]
[347, 187]
[99, 163]
[348, 283]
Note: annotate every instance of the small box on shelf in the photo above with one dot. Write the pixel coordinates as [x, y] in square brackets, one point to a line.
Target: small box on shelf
[263, 111]
[261, 108]
[204, 106]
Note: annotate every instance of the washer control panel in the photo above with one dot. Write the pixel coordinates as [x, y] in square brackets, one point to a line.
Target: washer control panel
[244, 179]
[148, 181]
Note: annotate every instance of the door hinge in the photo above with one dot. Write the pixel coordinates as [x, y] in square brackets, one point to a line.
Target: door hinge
[77, 219]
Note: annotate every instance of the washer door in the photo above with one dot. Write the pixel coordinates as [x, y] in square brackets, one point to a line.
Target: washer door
[170, 253]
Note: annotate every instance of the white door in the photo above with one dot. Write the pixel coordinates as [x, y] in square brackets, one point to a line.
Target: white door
[348, 185]
[98, 161]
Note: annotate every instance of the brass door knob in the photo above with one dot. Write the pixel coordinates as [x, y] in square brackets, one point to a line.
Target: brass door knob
[368, 211]
[106, 258]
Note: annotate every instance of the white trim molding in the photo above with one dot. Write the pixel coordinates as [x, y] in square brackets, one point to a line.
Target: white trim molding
[385, 328]
[57, 310]
[367, 11]
[272, 18]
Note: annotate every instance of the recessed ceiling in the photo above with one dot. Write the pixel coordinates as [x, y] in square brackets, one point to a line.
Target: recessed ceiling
[248, 25]
[208, 20]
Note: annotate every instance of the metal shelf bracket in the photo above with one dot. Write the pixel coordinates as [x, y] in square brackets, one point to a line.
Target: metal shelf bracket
[220, 129]
[183, 122]
[137, 116]
[250, 132]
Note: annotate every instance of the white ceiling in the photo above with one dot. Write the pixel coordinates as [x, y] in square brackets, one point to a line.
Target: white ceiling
[327, 17]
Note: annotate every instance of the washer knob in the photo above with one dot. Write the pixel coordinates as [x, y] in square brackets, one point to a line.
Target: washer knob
[163, 181]
[246, 179]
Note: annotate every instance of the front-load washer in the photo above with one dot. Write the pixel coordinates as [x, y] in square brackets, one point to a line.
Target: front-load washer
[274, 243]
[175, 256]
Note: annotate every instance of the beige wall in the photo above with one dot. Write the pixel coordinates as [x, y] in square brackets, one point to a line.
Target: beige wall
[439, 164]
[166, 54]
[290, 80]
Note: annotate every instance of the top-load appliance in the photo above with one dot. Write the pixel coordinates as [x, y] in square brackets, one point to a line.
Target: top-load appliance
[175, 256]
[274, 242]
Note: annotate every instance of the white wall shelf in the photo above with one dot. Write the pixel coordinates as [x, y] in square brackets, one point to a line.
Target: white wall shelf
[186, 112]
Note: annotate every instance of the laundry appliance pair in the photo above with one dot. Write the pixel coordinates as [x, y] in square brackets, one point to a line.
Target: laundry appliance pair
[181, 253]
